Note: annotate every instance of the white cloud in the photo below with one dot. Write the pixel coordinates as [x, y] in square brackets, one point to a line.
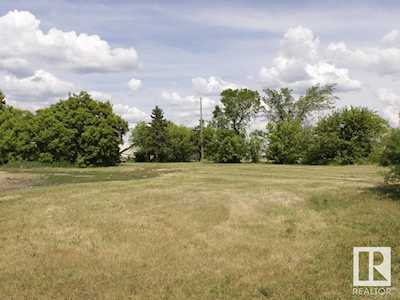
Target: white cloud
[284, 71]
[391, 104]
[31, 106]
[211, 86]
[185, 109]
[301, 63]
[187, 102]
[324, 73]
[393, 37]
[300, 43]
[23, 40]
[41, 86]
[134, 84]
[130, 113]
[100, 96]
[383, 59]
[17, 66]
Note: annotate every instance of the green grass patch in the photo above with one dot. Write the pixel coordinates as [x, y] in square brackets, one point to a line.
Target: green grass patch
[87, 177]
[45, 175]
[329, 201]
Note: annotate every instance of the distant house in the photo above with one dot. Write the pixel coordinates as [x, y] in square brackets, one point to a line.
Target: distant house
[127, 153]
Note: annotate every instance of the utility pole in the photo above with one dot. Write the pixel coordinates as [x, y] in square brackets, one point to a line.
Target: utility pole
[201, 131]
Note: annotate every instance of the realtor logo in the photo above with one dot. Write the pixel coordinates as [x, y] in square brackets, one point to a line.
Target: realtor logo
[378, 266]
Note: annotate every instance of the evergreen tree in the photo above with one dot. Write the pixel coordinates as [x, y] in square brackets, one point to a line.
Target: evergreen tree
[162, 140]
[158, 135]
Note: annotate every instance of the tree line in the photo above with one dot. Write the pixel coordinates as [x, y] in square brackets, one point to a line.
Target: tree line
[297, 130]
[78, 130]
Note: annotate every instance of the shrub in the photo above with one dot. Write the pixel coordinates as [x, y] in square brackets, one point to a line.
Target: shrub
[79, 130]
[348, 136]
[228, 147]
[179, 143]
[16, 135]
[391, 156]
[286, 142]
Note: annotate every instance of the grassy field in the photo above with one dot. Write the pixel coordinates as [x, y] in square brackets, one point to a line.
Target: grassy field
[191, 231]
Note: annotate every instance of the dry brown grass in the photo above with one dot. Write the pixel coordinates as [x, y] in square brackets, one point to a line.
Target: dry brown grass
[194, 232]
[15, 181]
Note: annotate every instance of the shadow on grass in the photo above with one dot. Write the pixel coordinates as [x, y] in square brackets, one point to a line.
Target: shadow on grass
[88, 177]
[53, 176]
[389, 191]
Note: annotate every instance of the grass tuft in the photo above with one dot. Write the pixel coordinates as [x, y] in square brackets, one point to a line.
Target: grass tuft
[266, 292]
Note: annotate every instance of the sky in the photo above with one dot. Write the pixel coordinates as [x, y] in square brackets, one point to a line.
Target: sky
[138, 54]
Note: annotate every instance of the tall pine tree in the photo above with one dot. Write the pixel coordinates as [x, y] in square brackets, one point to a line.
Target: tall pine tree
[158, 135]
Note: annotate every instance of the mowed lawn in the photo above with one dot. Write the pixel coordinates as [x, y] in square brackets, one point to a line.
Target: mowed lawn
[191, 231]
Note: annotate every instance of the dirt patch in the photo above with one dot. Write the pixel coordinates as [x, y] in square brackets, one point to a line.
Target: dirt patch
[14, 181]
[171, 170]
[75, 175]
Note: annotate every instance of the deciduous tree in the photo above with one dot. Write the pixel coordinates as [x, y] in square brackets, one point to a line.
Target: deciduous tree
[346, 136]
[287, 120]
[238, 108]
[281, 105]
[16, 134]
[180, 146]
[79, 130]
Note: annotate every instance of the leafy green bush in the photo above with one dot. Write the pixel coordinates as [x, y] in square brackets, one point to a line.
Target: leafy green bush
[179, 145]
[348, 136]
[209, 133]
[228, 147]
[140, 140]
[288, 120]
[16, 135]
[286, 142]
[79, 130]
[391, 156]
[391, 151]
